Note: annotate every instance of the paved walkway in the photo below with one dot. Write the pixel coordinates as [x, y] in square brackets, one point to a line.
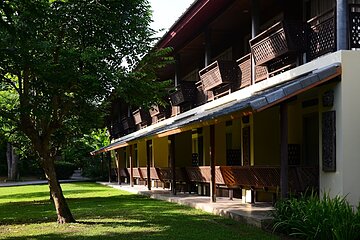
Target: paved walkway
[76, 177]
[257, 214]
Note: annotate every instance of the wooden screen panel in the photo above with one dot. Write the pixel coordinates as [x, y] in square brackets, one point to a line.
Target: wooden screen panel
[329, 141]
[246, 146]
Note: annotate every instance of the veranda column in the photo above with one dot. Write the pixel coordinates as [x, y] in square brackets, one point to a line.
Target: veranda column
[284, 150]
[109, 162]
[172, 162]
[341, 24]
[131, 167]
[255, 19]
[117, 157]
[148, 163]
[212, 164]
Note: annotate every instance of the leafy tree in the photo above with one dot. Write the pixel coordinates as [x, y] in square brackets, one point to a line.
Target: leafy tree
[62, 59]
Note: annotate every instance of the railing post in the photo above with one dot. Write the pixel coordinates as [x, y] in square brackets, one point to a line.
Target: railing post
[212, 164]
[284, 149]
[341, 24]
[131, 167]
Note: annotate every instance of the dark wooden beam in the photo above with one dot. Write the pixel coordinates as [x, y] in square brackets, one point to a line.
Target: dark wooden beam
[131, 167]
[284, 149]
[212, 164]
[172, 162]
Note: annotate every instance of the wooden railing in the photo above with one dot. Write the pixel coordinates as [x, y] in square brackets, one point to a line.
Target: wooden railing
[322, 37]
[185, 92]
[284, 37]
[218, 73]
[266, 178]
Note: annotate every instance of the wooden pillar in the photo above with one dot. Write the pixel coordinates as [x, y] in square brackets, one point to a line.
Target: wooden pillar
[284, 149]
[255, 28]
[117, 157]
[177, 70]
[212, 164]
[131, 167]
[341, 24]
[148, 163]
[109, 164]
[172, 164]
[207, 47]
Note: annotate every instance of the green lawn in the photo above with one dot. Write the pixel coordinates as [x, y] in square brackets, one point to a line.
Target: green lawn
[105, 213]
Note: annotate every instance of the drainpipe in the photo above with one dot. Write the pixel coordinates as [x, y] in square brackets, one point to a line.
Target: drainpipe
[255, 19]
[341, 24]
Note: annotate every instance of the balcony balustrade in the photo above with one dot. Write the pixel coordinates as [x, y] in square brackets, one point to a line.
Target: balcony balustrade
[283, 38]
[127, 123]
[322, 37]
[218, 73]
[185, 92]
[141, 116]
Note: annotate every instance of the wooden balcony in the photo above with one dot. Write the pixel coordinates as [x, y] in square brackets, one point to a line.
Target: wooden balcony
[141, 116]
[218, 73]
[322, 35]
[185, 92]
[245, 72]
[283, 38]
[127, 123]
[116, 129]
[201, 95]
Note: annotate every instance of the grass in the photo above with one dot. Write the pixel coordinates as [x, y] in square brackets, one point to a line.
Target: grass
[105, 213]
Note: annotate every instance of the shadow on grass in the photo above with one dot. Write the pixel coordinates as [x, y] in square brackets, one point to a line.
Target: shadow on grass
[115, 216]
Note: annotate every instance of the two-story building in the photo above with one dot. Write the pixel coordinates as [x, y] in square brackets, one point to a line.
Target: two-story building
[265, 103]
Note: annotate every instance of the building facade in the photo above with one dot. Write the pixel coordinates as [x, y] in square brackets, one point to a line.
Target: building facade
[264, 103]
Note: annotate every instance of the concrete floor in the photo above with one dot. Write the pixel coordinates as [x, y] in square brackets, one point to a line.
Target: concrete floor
[257, 214]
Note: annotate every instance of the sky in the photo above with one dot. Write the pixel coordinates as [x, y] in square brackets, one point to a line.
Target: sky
[166, 12]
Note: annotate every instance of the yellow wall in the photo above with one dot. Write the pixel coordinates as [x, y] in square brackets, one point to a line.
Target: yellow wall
[220, 144]
[267, 137]
[183, 149]
[160, 152]
[142, 153]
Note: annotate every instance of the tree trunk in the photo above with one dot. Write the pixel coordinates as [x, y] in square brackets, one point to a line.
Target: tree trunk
[62, 209]
[12, 162]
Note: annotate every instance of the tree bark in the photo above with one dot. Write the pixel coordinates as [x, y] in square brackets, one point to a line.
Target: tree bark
[12, 162]
[62, 209]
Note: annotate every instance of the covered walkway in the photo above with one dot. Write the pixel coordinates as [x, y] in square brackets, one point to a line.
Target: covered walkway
[258, 214]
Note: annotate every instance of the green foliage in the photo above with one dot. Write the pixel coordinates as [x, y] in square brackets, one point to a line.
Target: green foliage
[107, 213]
[64, 170]
[78, 152]
[60, 61]
[313, 218]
